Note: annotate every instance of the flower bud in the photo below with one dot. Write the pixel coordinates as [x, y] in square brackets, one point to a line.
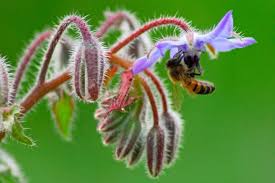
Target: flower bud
[172, 124]
[4, 83]
[62, 53]
[115, 120]
[128, 139]
[111, 137]
[136, 154]
[155, 150]
[89, 68]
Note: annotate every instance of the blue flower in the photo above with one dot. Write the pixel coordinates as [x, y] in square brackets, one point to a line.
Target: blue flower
[221, 39]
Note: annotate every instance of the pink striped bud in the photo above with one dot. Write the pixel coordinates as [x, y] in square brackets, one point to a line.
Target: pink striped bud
[155, 150]
[89, 69]
[113, 121]
[4, 83]
[136, 154]
[128, 139]
[172, 124]
[111, 137]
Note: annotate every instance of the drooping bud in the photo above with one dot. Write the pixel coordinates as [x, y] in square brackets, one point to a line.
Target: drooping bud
[128, 139]
[95, 63]
[113, 121]
[62, 53]
[172, 123]
[89, 69]
[4, 83]
[155, 150]
[111, 137]
[136, 154]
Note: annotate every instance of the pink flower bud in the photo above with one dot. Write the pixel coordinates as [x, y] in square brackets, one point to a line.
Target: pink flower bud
[128, 139]
[136, 154]
[89, 69]
[4, 83]
[111, 137]
[155, 150]
[113, 121]
[172, 124]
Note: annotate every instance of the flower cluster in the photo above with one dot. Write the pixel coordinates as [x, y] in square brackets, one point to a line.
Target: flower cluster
[134, 112]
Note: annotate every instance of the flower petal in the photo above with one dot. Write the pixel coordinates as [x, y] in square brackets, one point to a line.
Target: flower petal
[173, 52]
[223, 45]
[160, 48]
[225, 27]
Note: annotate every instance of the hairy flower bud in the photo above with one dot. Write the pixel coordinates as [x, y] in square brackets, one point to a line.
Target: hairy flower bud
[111, 137]
[62, 53]
[4, 83]
[155, 150]
[111, 122]
[89, 69]
[136, 154]
[128, 139]
[172, 124]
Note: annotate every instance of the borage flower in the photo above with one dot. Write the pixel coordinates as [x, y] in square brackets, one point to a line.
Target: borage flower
[221, 39]
[162, 138]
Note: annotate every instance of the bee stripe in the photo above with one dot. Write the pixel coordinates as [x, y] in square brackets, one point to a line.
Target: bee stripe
[208, 89]
[202, 90]
[195, 87]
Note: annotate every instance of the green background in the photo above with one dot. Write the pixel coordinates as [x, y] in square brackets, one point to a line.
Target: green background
[229, 136]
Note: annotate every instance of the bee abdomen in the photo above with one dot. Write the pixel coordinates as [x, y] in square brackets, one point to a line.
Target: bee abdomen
[201, 87]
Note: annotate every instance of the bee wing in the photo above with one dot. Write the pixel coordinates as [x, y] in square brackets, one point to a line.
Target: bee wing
[177, 97]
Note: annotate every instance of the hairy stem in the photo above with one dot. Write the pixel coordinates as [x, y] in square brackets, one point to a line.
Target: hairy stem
[24, 62]
[150, 25]
[85, 33]
[111, 21]
[41, 90]
[160, 89]
[152, 101]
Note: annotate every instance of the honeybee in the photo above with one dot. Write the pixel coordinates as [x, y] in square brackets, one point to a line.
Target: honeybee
[183, 68]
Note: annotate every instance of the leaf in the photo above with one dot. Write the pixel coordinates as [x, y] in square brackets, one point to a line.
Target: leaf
[18, 134]
[62, 110]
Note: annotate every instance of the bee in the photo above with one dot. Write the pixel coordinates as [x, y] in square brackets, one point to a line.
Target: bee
[183, 68]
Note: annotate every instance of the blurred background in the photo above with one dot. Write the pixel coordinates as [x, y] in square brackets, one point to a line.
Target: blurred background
[229, 136]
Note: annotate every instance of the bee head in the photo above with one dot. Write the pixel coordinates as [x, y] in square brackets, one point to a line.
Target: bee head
[191, 61]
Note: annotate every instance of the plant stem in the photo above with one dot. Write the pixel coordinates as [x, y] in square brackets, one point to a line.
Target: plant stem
[150, 25]
[24, 61]
[152, 101]
[111, 21]
[41, 90]
[86, 37]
